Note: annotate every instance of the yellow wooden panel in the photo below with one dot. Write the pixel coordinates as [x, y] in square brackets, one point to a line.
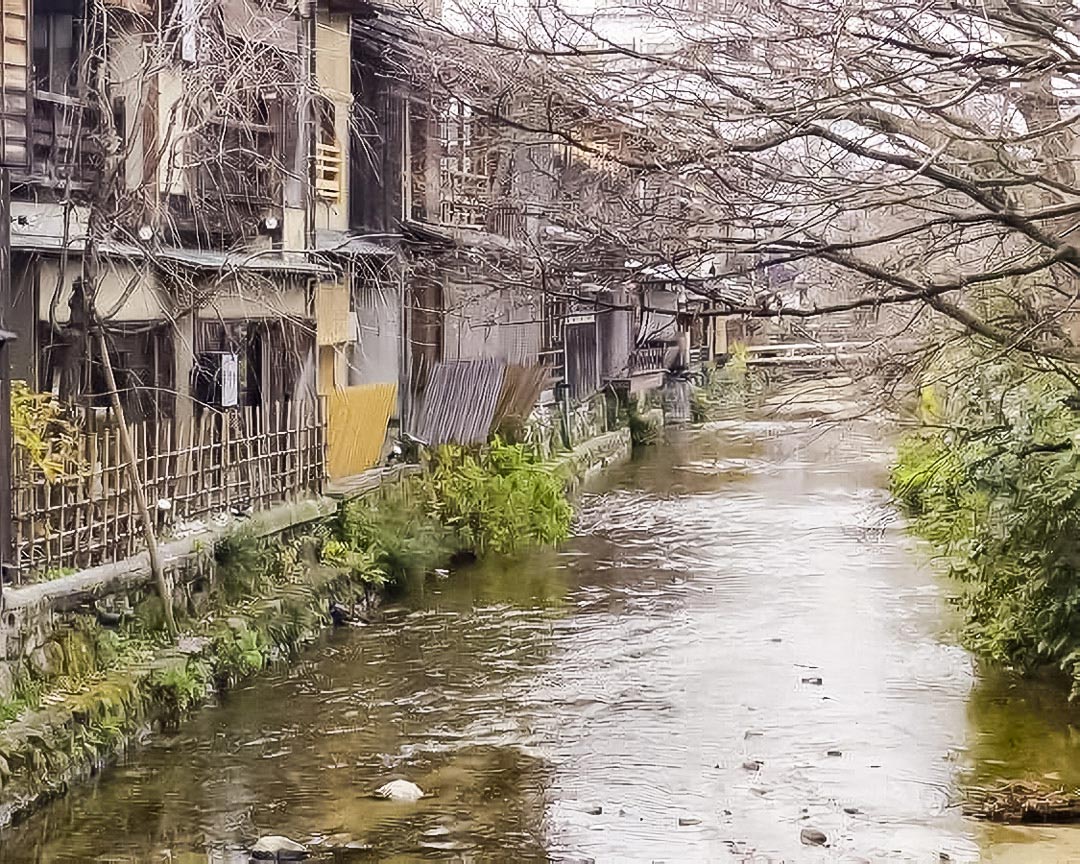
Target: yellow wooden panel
[327, 367]
[356, 420]
[332, 314]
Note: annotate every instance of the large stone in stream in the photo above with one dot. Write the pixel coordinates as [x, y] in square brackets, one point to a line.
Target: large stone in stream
[813, 837]
[274, 847]
[399, 790]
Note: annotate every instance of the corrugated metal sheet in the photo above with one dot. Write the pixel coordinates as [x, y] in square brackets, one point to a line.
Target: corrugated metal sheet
[356, 419]
[459, 402]
[522, 386]
[344, 243]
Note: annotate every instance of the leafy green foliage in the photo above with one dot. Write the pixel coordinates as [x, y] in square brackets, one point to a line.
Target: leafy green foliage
[492, 499]
[398, 536]
[237, 655]
[179, 688]
[725, 388]
[997, 491]
[243, 562]
[363, 564]
[42, 429]
[498, 499]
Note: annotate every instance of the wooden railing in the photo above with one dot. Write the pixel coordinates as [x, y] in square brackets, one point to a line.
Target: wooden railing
[328, 172]
[237, 460]
[649, 358]
[781, 354]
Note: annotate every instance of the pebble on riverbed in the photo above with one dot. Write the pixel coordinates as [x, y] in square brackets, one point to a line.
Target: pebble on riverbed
[813, 837]
[399, 790]
[274, 847]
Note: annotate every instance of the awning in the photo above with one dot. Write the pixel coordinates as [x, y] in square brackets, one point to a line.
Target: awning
[195, 259]
[330, 242]
[252, 262]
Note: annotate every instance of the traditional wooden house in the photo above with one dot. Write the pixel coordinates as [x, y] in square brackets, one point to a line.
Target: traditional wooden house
[160, 232]
[446, 182]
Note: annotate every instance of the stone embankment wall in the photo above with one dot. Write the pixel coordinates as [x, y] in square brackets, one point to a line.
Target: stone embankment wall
[76, 689]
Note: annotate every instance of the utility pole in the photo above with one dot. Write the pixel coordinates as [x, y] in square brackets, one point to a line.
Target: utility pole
[307, 117]
[6, 442]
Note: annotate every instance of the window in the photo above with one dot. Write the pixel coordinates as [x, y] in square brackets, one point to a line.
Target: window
[465, 180]
[56, 48]
[418, 119]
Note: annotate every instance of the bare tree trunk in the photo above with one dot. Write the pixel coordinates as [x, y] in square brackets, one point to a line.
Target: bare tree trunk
[149, 535]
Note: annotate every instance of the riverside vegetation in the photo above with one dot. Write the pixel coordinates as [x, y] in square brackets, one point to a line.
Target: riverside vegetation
[992, 480]
[725, 389]
[104, 682]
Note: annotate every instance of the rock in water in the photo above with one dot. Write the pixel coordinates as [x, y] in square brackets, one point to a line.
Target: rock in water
[813, 837]
[340, 614]
[399, 790]
[274, 847]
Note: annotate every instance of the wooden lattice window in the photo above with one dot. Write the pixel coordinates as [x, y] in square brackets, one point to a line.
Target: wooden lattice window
[328, 162]
[14, 83]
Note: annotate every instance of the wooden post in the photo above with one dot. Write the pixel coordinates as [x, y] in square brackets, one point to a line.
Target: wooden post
[137, 491]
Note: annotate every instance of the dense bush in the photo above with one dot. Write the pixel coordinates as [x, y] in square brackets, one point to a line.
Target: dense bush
[993, 480]
[724, 389]
[497, 499]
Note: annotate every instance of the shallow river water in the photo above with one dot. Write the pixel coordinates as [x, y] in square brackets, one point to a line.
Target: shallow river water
[740, 642]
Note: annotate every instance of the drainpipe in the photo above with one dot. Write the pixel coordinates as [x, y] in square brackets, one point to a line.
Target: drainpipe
[405, 382]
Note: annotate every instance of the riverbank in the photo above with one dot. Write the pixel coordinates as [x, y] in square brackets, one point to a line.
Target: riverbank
[87, 673]
[540, 697]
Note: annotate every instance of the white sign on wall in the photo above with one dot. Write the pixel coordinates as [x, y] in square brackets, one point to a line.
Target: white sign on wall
[230, 380]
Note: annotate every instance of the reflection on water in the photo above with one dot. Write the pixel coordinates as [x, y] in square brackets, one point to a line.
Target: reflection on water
[739, 644]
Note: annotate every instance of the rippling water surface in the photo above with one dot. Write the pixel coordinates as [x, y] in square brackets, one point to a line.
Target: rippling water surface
[739, 643]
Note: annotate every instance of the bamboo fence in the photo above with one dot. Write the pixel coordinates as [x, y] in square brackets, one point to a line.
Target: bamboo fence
[235, 460]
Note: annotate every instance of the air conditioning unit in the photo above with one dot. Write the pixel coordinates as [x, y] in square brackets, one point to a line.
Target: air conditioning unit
[216, 379]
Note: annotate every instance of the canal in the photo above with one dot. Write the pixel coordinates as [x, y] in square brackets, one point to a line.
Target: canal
[739, 643]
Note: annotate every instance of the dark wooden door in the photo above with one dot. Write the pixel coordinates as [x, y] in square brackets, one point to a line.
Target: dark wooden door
[582, 357]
